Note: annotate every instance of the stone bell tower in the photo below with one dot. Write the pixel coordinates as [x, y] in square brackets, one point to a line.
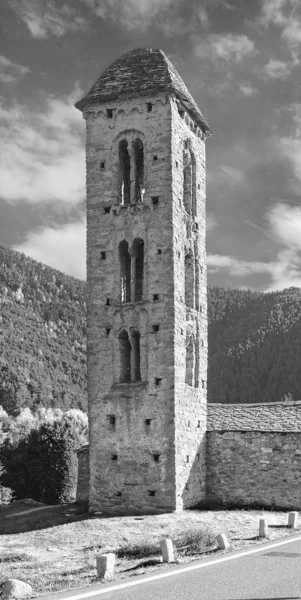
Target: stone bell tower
[146, 288]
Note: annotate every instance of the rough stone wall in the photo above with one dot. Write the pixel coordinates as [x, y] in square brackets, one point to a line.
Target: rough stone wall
[143, 411]
[82, 490]
[146, 437]
[190, 309]
[254, 467]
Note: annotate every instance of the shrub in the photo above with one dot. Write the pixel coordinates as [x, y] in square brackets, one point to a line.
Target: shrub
[6, 494]
[42, 463]
[195, 542]
[142, 549]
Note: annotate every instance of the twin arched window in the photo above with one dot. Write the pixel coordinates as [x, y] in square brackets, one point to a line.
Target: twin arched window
[131, 270]
[131, 171]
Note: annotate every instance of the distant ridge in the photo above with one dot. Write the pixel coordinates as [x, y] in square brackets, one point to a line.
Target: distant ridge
[254, 340]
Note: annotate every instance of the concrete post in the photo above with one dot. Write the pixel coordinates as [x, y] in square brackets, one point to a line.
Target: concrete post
[105, 566]
[222, 541]
[263, 528]
[167, 550]
[292, 519]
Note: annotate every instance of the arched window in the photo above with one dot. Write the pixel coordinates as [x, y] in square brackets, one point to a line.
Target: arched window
[190, 361]
[135, 363]
[125, 173]
[138, 175]
[187, 180]
[189, 280]
[125, 271]
[125, 357]
[138, 268]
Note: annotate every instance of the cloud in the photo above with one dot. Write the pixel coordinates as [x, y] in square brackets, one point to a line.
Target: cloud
[211, 222]
[225, 49]
[236, 174]
[131, 14]
[276, 69]
[63, 248]
[237, 267]
[289, 146]
[10, 72]
[247, 89]
[284, 226]
[45, 17]
[285, 15]
[43, 156]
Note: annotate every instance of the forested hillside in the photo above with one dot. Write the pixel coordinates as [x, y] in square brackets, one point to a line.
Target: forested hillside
[254, 340]
[42, 335]
[254, 345]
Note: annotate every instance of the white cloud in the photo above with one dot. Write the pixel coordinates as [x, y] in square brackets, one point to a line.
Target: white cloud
[225, 49]
[247, 89]
[10, 72]
[43, 152]
[237, 267]
[276, 69]
[63, 248]
[131, 14]
[45, 17]
[284, 223]
[285, 15]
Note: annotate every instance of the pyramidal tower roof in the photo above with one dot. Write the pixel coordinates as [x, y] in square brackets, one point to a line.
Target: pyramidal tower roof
[144, 71]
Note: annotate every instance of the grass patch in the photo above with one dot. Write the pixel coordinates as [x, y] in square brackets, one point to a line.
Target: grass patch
[195, 542]
[9, 558]
[142, 549]
[58, 552]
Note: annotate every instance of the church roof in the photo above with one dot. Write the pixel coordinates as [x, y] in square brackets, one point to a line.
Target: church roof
[144, 71]
[270, 416]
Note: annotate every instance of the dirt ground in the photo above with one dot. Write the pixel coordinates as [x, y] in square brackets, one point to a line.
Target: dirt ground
[54, 548]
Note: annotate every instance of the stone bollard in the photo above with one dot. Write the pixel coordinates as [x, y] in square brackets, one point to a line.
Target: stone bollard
[222, 541]
[292, 519]
[263, 528]
[167, 551]
[105, 566]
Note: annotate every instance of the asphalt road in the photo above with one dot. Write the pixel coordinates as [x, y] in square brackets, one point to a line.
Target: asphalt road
[272, 573]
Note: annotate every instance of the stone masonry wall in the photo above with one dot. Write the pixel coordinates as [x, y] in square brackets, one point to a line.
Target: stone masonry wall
[133, 422]
[82, 490]
[146, 437]
[190, 310]
[254, 467]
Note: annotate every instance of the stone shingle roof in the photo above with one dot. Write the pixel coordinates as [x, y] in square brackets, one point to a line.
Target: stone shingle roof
[272, 416]
[144, 71]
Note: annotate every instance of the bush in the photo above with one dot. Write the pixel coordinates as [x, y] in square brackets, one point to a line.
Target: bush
[6, 494]
[195, 542]
[40, 461]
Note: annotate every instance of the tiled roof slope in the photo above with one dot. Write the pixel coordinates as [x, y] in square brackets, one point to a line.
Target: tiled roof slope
[273, 416]
[144, 71]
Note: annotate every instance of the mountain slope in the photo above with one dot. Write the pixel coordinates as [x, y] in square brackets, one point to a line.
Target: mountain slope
[254, 340]
[42, 335]
[254, 345]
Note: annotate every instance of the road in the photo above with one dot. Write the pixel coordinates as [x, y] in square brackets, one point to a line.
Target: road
[271, 572]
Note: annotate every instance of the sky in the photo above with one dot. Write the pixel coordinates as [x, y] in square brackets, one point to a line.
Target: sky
[240, 59]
